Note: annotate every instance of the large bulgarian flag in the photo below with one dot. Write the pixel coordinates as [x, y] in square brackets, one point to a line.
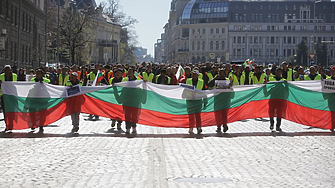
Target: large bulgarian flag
[34, 104]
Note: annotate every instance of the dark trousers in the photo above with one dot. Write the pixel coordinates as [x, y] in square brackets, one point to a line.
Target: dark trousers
[272, 121]
[130, 125]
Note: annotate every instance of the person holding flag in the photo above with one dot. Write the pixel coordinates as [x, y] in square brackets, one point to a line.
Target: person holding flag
[75, 115]
[116, 79]
[8, 75]
[41, 118]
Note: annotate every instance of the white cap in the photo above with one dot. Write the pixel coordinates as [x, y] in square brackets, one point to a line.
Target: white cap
[7, 66]
[196, 71]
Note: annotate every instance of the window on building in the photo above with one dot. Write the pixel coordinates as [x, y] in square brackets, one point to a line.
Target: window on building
[212, 30]
[239, 40]
[199, 32]
[211, 46]
[198, 46]
[272, 40]
[223, 30]
[234, 40]
[217, 45]
[203, 45]
[1, 7]
[185, 32]
[293, 40]
[239, 52]
[203, 31]
[250, 52]
[255, 40]
[192, 45]
[289, 40]
[217, 30]
[193, 31]
[222, 45]
[243, 38]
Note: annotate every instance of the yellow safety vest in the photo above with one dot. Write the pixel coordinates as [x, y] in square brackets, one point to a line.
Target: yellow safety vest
[3, 78]
[147, 77]
[235, 79]
[126, 79]
[200, 83]
[317, 77]
[45, 80]
[60, 79]
[256, 81]
[169, 79]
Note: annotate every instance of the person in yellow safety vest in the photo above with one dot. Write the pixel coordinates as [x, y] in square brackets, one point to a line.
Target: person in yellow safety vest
[268, 75]
[323, 73]
[237, 78]
[63, 77]
[147, 74]
[247, 75]
[312, 75]
[301, 74]
[201, 76]
[288, 73]
[195, 106]
[213, 73]
[39, 77]
[220, 115]
[8, 75]
[117, 79]
[276, 109]
[258, 77]
[75, 115]
[163, 78]
[94, 70]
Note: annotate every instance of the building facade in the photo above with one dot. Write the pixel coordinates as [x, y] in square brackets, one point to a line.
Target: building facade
[22, 32]
[105, 47]
[267, 31]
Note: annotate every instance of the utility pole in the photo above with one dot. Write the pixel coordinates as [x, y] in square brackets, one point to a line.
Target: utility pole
[58, 22]
[46, 33]
[19, 35]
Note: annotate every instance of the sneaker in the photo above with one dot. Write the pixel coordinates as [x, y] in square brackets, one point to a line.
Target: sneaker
[199, 130]
[128, 131]
[190, 131]
[119, 127]
[96, 118]
[113, 124]
[225, 128]
[9, 131]
[271, 127]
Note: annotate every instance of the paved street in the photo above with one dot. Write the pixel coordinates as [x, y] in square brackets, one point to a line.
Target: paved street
[248, 156]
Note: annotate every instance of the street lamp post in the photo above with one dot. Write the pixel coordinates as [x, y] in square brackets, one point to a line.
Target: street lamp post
[314, 20]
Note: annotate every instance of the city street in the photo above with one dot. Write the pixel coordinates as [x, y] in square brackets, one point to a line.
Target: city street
[249, 155]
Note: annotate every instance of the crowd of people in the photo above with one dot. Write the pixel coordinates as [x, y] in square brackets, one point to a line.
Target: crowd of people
[201, 76]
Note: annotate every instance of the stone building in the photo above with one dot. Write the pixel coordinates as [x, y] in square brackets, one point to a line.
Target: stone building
[235, 30]
[22, 32]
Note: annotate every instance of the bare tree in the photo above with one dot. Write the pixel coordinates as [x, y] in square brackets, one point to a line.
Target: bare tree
[75, 32]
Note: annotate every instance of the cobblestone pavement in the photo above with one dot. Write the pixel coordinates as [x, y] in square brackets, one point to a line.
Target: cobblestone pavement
[248, 156]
